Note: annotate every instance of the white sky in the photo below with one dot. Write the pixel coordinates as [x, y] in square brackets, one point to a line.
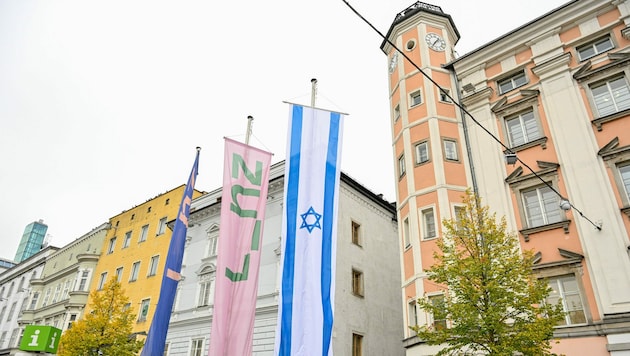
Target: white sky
[103, 103]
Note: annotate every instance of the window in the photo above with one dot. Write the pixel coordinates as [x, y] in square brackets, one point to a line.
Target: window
[512, 82]
[66, 289]
[3, 337]
[213, 239]
[357, 345]
[21, 284]
[46, 297]
[127, 239]
[11, 311]
[422, 152]
[4, 310]
[133, 216]
[10, 289]
[439, 319]
[406, 238]
[413, 313]
[397, 113]
[83, 280]
[13, 339]
[71, 320]
[153, 265]
[101, 281]
[428, 223]
[167, 201]
[415, 98]
[356, 233]
[143, 233]
[444, 95]
[357, 283]
[161, 226]
[57, 293]
[144, 310]
[205, 283]
[401, 166]
[565, 291]
[119, 273]
[166, 346]
[24, 304]
[133, 276]
[611, 96]
[624, 172]
[541, 206]
[196, 347]
[594, 48]
[450, 150]
[112, 245]
[33, 301]
[522, 128]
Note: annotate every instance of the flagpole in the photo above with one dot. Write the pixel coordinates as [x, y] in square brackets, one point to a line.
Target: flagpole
[250, 119]
[313, 91]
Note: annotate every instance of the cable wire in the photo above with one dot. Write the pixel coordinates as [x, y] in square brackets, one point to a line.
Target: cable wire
[463, 109]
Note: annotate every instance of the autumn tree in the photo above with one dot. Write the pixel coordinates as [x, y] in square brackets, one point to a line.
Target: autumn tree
[106, 329]
[493, 302]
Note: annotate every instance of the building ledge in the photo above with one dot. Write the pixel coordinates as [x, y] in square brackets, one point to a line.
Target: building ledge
[533, 230]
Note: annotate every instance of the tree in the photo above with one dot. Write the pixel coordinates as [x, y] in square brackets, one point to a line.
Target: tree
[492, 299]
[106, 330]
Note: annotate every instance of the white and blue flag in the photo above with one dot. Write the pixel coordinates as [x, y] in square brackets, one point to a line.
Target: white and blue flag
[309, 232]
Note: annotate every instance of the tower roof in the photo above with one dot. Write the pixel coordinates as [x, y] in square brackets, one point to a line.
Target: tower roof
[411, 11]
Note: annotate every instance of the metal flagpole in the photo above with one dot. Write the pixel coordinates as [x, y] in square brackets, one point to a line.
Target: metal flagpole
[313, 91]
[250, 119]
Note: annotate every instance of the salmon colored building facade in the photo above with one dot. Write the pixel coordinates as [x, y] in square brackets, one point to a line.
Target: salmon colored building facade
[134, 251]
[556, 93]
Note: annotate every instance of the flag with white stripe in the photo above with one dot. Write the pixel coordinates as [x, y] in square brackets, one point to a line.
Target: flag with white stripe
[309, 232]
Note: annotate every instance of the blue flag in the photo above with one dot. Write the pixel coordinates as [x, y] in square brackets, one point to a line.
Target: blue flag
[154, 344]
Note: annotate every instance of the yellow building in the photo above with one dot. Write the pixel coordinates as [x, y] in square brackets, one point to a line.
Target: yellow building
[134, 252]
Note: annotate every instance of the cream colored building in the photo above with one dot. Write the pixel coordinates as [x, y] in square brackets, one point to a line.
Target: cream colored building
[555, 92]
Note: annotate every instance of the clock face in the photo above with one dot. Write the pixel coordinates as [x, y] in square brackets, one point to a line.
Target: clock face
[435, 42]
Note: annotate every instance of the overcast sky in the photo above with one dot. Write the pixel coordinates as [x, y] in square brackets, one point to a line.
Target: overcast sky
[103, 103]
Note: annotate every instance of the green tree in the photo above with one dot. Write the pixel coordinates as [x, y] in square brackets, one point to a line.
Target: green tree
[492, 299]
[106, 330]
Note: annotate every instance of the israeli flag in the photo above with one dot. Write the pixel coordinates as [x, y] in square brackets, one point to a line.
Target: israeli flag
[309, 232]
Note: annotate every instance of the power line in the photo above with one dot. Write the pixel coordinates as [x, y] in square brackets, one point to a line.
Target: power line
[463, 109]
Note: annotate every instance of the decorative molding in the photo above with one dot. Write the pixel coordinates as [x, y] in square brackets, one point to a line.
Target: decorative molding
[604, 119]
[553, 63]
[542, 142]
[545, 168]
[477, 96]
[625, 33]
[527, 96]
[586, 71]
[626, 210]
[533, 230]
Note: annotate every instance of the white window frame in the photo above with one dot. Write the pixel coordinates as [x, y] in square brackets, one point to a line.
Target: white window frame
[419, 148]
[119, 273]
[357, 344]
[101, 281]
[83, 280]
[618, 105]
[451, 153]
[406, 232]
[144, 232]
[516, 80]
[547, 201]
[624, 176]
[355, 233]
[401, 166]
[135, 271]
[527, 120]
[556, 284]
[197, 346]
[434, 322]
[429, 224]
[153, 265]
[112, 245]
[161, 229]
[145, 304]
[584, 51]
[415, 98]
[397, 112]
[127, 240]
[206, 284]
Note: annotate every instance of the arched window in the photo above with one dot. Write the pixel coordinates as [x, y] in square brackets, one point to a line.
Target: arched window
[206, 277]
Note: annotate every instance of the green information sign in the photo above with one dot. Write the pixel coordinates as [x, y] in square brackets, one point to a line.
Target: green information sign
[40, 338]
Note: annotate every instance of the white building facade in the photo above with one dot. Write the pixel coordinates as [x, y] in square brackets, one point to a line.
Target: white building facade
[367, 300]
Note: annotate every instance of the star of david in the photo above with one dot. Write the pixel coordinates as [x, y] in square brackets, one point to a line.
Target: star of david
[310, 220]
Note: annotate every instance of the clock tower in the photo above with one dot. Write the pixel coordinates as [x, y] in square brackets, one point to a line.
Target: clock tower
[428, 142]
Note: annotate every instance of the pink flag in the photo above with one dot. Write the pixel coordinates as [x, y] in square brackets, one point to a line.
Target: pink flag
[245, 183]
